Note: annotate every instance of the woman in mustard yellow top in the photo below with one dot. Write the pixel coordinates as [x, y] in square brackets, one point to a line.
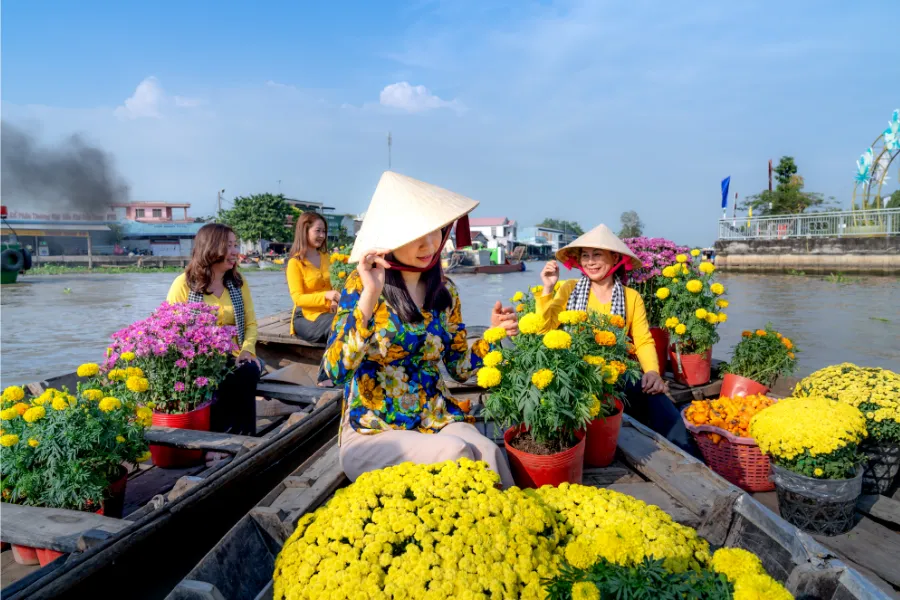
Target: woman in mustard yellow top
[309, 280]
[603, 260]
[212, 277]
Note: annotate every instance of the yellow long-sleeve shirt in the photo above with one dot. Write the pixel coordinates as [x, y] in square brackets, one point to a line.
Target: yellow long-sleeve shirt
[308, 285]
[548, 308]
[179, 292]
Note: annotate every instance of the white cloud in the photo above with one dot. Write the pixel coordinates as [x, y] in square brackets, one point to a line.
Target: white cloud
[413, 98]
[148, 100]
[185, 102]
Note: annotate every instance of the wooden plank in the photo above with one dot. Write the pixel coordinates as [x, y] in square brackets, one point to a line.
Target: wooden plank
[52, 528]
[880, 507]
[292, 394]
[191, 439]
[11, 571]
[652, 494]
[605, 476]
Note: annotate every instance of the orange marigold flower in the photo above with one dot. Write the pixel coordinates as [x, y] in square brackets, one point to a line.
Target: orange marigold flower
[605, 338]
[617, 321]
[761, 332]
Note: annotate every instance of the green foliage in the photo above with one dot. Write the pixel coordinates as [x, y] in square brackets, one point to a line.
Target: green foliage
[894, 201]
[788, 196]
[564, 226]
[648, 580]
[880, 429]
[340, 268]
[692, 317]
[259, 217]
[762, 358]
[840, 464]
[341, 238]
[632, 226]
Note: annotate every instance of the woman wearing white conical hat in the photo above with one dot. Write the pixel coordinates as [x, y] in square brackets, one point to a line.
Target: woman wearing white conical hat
[604, 261]
[398, 318]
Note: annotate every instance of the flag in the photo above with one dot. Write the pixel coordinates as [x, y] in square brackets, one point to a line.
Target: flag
[725, 183]
[749, 216]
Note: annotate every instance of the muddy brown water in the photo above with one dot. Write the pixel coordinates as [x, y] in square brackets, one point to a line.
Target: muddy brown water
[51, 324]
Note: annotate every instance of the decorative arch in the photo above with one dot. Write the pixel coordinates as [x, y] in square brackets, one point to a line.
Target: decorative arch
[873, 166]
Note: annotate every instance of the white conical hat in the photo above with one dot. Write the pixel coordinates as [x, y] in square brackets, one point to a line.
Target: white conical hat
[599, 237]
[404, 209]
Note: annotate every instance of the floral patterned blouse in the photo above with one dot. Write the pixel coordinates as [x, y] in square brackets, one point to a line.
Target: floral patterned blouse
[390, 368]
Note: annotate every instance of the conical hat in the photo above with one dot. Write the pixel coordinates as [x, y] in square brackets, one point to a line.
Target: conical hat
[599, 237]
[404, 209]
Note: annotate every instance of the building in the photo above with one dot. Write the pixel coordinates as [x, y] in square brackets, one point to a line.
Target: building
[499, 231]
[152, 212]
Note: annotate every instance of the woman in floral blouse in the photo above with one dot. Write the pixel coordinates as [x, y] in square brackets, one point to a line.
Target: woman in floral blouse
[398, 318]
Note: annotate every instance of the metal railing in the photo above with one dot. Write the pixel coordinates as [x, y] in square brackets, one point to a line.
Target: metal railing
[859, 223]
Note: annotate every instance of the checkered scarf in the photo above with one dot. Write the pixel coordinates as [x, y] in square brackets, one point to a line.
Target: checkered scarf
[237, 301]
[582, 292]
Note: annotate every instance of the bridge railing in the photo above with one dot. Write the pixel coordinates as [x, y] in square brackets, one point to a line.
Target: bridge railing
[882, 222]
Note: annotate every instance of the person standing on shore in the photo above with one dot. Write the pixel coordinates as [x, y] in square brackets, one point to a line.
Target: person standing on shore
[604, 261]
[309, 280]
[212, 277]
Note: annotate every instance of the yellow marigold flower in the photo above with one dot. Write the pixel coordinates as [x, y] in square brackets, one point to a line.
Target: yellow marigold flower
[489, 377]
[520, 308]
[722, 303]
[120, 438]
[8, 414]
[137, 384]
[20, 408]
[717, 288]
[493, 358]
[671, 322]
[585, 590]
[494, 335]
[722, 317]
[680, 329]
[117, 374]
[685, 270]
[700, 313]
[517, 297]
[144, 457]
[663, 293]
[35, 413]
[342, 274]
[542, 378]
[734, 563]
[33, 442]
[92, 395]
[529, 324]
[818, 472]
[761, 332]
[617, 321]
[13, 393]
[707, 267]
[134, 372]
[597, 361]
[610, 374]
[557, 340]
[9, 440]
[668, 271]
[109, 404]
[675, 280]
[695, 252]
[605, 338]
[695, 286]
[681, 258]
[144, 416]
[88, 370]
[619, 366]
[537, 289]
[59, 403]
[127, 356]
[760, 587]
[572, 317]
[595, 407]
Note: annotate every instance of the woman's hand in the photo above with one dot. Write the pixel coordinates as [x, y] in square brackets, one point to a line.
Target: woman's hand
[505, 318]
[371, 271]
[652, 383]
[550, 276]
[245, 357]
[333, 296]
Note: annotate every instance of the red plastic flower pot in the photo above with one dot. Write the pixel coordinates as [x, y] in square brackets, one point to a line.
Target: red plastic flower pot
[535, 470]
[735, 385]
[601, 437]
[47, 556]
[114, 501]
[694, 370]
[173, 458]
[25, 555]
[661, 339]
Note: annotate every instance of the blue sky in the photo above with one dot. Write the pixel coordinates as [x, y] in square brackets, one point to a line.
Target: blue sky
[576, 110]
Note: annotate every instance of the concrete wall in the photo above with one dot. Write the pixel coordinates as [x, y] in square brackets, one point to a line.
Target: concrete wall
[815, 254]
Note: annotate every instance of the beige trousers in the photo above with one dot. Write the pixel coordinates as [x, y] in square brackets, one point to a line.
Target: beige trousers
[361, 453]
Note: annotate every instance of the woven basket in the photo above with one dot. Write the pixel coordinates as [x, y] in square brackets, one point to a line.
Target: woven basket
[737, 459]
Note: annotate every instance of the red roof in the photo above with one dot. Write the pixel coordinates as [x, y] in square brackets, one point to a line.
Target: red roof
[488, 221]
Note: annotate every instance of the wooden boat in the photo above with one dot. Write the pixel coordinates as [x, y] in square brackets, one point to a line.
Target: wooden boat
[649, 468]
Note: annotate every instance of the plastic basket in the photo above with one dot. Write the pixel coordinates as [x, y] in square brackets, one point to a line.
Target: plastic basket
[737, 459]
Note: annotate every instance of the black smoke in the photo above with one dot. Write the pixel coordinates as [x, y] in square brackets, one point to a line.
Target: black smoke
[70, 176]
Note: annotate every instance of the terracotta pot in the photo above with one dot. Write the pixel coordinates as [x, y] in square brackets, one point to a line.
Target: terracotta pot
[47, 556]
[535, 470]
[735, 385]
[695, 368]
[25, 555]
[601, 436]
[661, 339]
[171, 458]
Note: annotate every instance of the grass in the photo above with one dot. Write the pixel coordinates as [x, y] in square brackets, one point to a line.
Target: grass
[796, 273]
[66, 270]
[881, 319]
[838, 278]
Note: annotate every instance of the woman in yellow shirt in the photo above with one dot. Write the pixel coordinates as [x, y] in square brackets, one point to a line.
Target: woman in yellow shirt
[604, 260]
[212, 277]
[309, 280]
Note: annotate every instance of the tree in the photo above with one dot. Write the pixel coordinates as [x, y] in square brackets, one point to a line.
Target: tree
[632, 226]
[565, 226]
[788, 196]
[259, 217]
[894, 201]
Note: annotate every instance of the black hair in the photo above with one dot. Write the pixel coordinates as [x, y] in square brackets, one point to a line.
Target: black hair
[437, 296]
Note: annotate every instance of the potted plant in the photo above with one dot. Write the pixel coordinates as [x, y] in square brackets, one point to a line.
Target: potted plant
[340, 268]
[183, 354]
[761, 357]
[655, 254]
[876, 393]
[61, 450]
[691, 310]
[814, 447]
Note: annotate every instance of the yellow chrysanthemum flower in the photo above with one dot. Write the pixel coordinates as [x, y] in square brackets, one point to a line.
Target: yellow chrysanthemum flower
[700, 313]
[681, 258]
[494, 335]
[493, 358]
[35, 413]
[9, 440]
[529, 324]
[695, 286]
[144, 416]
[572, 317]
[717, 288]
[542, 378]
[597, 361]
[489, 377]
[695, 252]
[518, 297]
[668, 271]
[137, 384]
[88, 370]
[558, 340]
[13, 393]
[109, 404]
[760, 587]
[736, 562]
[680, 329]
[127, 356]
[663, 293]
[33, 442]
[92, 395]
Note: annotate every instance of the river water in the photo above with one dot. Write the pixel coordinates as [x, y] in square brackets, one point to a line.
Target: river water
[50, 324]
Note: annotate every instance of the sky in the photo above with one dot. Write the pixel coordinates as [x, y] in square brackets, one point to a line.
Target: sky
[572, 110]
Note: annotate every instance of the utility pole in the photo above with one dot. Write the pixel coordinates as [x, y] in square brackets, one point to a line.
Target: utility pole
[219, 203]
[770, 174]
[389, 150]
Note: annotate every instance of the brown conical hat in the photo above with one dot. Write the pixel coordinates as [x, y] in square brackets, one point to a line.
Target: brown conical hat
[404, 209]
[601, 237]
